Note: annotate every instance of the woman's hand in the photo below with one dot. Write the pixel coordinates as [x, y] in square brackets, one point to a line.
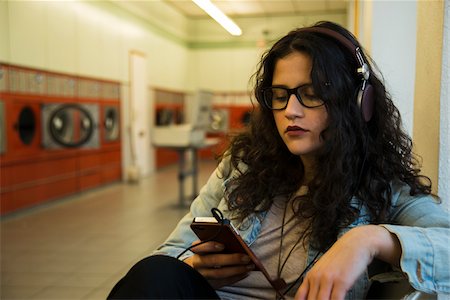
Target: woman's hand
[339, 268]
[218, 268]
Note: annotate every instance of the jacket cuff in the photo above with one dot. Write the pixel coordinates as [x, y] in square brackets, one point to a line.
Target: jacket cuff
[417, 259]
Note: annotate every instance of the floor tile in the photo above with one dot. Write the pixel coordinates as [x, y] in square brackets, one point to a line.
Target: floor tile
[79, 247]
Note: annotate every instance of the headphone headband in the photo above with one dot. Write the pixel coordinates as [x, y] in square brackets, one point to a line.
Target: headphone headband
[365, 95]
[343, 40]
[355, 50]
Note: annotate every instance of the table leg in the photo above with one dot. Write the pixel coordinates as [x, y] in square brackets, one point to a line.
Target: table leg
[194, 173]
[181, 176]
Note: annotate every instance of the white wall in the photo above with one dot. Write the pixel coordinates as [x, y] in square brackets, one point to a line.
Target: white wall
[4, 29]
[388, 31]
[86, 38]
[222, 69]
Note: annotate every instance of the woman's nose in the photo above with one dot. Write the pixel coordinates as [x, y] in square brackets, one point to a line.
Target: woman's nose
[294, 108]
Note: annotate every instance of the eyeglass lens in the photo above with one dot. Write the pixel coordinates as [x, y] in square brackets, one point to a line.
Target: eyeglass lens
[277, 97]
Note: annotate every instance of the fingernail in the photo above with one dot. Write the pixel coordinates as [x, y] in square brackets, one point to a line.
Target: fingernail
[250, 267]
[245, 259]
[219, 246]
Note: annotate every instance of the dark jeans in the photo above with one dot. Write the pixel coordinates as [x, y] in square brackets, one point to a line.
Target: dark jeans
[162, 277]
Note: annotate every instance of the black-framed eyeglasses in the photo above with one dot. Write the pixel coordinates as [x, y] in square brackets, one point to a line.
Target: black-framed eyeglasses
[277, 97]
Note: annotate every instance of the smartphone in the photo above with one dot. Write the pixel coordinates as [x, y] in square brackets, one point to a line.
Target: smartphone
[209, 229]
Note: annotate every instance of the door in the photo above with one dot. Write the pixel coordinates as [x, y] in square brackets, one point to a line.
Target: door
[141, 115]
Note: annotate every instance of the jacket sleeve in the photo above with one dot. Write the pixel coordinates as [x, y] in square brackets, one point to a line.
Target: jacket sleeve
[422, 226]
[182, 236]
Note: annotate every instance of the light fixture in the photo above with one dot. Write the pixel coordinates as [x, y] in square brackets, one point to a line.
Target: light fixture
[219, 16]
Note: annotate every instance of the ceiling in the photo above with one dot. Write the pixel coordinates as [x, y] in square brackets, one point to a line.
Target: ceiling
[258, 19]
[257, 8]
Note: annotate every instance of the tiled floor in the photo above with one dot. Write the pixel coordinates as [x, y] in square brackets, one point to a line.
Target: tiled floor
[78, 248]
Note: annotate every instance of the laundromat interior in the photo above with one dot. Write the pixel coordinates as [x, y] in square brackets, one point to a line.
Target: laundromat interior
[113, 114]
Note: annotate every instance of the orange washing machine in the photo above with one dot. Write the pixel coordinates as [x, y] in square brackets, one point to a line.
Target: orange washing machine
[22, 127]
[110, 123]
[2, 128]
[70, 125]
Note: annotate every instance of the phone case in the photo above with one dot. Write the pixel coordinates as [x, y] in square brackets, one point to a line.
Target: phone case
[209, 229]
[225, 235]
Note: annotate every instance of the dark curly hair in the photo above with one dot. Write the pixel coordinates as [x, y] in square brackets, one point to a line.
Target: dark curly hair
[358, 158]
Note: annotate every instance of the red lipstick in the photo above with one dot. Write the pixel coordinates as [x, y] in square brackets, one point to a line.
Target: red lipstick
[295, 130]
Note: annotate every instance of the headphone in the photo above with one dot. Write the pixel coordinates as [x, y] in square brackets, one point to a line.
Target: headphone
[366, 91]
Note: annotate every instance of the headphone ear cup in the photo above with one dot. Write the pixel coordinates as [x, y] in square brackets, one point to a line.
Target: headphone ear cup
[365, 101]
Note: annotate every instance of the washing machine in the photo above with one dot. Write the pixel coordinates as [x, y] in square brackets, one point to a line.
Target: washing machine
[2, 128]
[22, 127]
[111, 123]
[72, 125]
[245, 118]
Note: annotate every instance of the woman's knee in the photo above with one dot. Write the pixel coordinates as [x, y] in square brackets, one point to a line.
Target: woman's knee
[158, 267]
[160, 277]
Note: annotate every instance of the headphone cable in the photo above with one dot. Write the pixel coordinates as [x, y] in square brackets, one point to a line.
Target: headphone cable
[218, 215]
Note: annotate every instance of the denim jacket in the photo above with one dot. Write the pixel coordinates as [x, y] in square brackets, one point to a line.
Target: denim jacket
[420, 223]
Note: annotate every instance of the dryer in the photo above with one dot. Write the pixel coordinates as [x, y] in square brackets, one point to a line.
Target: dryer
[2, 128]
[22, 127]
[72, 125]
[245, 118]
[111, 123]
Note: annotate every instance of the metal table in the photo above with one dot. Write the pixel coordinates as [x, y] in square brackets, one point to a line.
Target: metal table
[183, 173]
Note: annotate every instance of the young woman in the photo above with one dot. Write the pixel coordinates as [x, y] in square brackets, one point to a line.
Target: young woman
[322, 185]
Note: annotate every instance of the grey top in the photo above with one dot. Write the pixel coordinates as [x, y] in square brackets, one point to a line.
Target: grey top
[267, 249]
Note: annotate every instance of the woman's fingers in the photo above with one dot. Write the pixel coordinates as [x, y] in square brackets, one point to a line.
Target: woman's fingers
[206, 247]
[323, 290]
[219, 268]
[339, 268]
[303, 290]
[313, 291]
[339, 291]
[220, 260]
[226, 272]
[324, 284]
[326, 290]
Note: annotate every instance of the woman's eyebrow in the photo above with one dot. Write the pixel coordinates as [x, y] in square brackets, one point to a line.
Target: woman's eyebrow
[285, 86]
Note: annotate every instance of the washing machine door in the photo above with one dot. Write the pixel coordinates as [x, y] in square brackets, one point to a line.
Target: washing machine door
[26, 125]
[70, 126]
[219, 120]
[111, 123]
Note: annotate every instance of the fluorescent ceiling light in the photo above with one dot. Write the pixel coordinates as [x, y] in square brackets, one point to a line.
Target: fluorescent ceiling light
[219, 16]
